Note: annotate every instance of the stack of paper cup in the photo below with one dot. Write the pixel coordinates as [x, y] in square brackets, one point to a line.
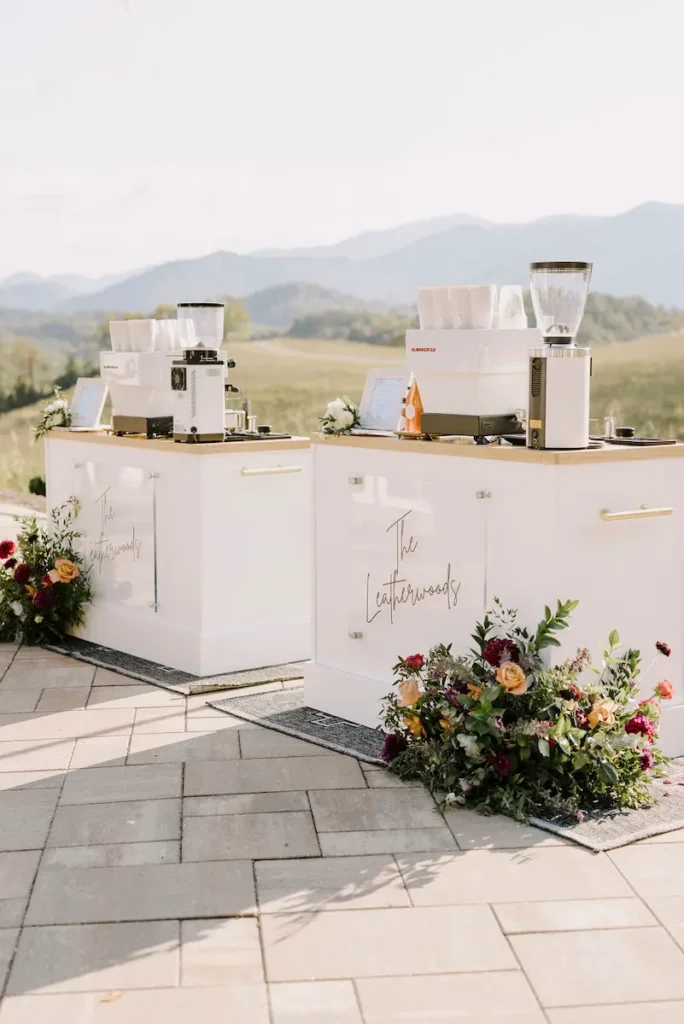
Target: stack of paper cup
[457, 306]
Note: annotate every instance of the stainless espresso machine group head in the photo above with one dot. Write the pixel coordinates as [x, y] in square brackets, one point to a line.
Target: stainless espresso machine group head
[199, 380]
[560, 371]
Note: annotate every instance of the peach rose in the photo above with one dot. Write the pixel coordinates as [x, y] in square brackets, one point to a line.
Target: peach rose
[409, 692]
[512, 678]
[66, 571]
[414, 725]
[474, 691]
[602, 713]
[665, 689]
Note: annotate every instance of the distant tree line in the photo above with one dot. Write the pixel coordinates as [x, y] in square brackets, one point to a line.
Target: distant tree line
[33, 379]
[350, 325]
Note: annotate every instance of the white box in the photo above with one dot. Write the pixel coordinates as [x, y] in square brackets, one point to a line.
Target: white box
[471, 372]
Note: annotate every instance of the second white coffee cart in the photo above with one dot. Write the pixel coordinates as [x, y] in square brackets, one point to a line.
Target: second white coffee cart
[413, 540]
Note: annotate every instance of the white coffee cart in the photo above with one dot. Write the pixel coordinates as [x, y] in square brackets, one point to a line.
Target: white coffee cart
[200, 554]
[413, 540]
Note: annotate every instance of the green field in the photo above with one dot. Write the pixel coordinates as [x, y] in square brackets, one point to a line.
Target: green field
[289, 383]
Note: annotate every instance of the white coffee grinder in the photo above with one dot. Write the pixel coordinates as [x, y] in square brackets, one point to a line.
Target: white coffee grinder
[199, 379]
[560, 372]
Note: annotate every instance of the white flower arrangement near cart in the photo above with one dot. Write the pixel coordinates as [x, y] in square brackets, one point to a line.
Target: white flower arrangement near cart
[340, 416]
[55, 414]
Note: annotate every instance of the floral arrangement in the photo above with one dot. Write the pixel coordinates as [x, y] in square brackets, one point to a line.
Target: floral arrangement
[340, 416]
[43, 586]
[55, 414]
[504, 732]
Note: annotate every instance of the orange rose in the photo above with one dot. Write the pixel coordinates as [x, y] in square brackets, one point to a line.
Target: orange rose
[474, 691]
[512, 678]
[66, 571]
[409, 692]
[30, 589]
[602, 713]
[414, 725]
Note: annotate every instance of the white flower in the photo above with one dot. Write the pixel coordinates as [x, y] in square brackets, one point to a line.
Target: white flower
[466, 786]
[38, 618]
[345, 419]
[335, 409]
[59, 404]
[17, 609]
[469, 744]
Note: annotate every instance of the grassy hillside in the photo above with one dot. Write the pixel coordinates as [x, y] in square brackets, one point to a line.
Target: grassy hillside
[290, 381]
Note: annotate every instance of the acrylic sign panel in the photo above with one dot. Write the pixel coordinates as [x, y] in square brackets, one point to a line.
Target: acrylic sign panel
[117, 523]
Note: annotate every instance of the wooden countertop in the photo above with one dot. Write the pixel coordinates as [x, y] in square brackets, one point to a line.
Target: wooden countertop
[165, 444]
[465, 448]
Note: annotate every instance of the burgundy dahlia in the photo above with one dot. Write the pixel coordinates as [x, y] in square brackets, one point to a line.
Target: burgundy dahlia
[646, 760]
[7, 548]
[415, 661]
[10, 563]
[501, 763]
[571, 692]
[582, 720]
[394, 745]
[44, 599]
[22, 573]
[640, 725]
[500, 650]
[456, 690]
[663, 648]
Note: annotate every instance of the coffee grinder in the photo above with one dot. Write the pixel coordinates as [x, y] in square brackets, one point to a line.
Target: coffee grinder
[199, 379]
[560, 371]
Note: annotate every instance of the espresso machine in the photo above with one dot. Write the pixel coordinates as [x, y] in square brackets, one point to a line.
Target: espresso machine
[560, 371]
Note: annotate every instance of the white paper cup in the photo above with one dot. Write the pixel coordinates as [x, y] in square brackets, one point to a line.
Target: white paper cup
[482, 305]
[441, 307]
[119, 336]
[512, 314]
[165, 336]
[459, 305]
[426, 309]
[142, 334]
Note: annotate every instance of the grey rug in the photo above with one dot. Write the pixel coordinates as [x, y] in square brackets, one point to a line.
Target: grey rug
[170, 678]
[285, 711]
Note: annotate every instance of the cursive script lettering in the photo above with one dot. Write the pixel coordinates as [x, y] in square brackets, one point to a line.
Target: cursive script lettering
[105, 549]
[399, 590]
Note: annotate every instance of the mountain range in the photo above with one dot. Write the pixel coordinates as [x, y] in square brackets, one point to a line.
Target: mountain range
[640, 252]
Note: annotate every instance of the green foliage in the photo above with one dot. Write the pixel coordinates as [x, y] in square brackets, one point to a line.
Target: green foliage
[608, 319]
[354, 325]
[37, 485]
[500, 730]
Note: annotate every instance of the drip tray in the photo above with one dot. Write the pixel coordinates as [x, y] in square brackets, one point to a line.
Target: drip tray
[257, 437]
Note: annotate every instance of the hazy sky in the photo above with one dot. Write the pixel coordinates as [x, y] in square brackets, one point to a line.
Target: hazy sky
[137, 131]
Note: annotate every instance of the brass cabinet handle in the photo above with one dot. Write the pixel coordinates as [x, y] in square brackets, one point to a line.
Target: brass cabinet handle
[270, 470]
[643, 512]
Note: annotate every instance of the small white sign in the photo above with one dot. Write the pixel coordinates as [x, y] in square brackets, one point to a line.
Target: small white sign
[381, 401]
[87, 403]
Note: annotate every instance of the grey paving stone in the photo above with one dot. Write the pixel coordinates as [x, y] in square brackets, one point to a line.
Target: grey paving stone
[573, 915]
[134, 821]
[245, 1004]
[12, 912]
[134, 782]
[8, 941]
[645, 964]
[99, 752]
[244, 803]
[509, 876]
[25, 817]
[44, 674]
[371, 943]
[407, 840]
[112, 855]
[255, 836]
[23, 781]
[221, 952]
[35, 755]
[346, 883]
[385, 780]
[159, 720]
[272, 774]
[147, 892]
[151, 748]
[341, 810]
[68, 724]
[652, 870]
[62, 699]
[16, 873]
[13, 701]
[131, 697]
[268, 743]
[621, 1013]
[503, 997]
[474, 831]
[93, 957]
[314, 1002]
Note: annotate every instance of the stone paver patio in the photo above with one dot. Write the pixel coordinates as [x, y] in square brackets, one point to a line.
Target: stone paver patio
[160, 860]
